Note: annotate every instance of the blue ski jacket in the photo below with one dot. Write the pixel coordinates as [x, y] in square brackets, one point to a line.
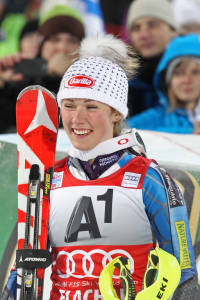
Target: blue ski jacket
[160, 118]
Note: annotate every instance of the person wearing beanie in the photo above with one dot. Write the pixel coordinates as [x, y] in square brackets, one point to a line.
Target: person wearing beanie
[150, 26]
[29, 40]
[62, 18]
[107, 198]
[105, 162]
[61, 30]
[187, 15]
[177, 82]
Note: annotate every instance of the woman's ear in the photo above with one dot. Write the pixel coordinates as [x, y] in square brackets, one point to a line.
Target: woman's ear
[116, 116]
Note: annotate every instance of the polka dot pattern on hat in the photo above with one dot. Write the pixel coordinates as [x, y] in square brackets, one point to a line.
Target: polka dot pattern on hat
[109, 83]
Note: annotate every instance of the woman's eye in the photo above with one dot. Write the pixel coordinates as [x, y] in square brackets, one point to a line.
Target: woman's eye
[92, 107]
[68, 106]
[135, 28]
[178, 72]
[196, 72]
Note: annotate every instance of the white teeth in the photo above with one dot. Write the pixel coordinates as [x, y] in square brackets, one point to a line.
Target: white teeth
[81, 131]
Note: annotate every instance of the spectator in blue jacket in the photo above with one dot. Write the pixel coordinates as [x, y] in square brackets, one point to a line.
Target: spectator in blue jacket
[177, 82]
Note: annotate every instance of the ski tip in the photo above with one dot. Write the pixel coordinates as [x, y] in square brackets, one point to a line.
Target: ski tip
[36, 88]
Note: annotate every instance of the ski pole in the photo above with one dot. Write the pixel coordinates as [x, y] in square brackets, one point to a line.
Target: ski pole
[29, 277]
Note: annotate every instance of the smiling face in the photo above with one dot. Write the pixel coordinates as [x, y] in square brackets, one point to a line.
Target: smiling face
[149, 36]
[88, 122]
[185, 83]
[59, 43]
[29, 45]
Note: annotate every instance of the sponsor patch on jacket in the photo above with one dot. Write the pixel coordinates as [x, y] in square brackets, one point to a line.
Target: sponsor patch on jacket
[103, 161]
[81, 81]
[131, 179]
[57, 180]
[123, 141]
[185, 262]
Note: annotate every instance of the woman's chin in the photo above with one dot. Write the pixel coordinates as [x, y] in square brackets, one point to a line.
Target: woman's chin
[82, 147]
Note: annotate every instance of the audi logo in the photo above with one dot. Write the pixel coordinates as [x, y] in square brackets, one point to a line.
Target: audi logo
[67, 264]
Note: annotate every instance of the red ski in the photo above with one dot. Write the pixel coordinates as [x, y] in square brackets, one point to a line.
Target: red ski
[37, 125]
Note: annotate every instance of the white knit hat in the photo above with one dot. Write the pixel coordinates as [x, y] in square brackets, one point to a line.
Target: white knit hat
[187, 11]
[96, 77]
[160, 9]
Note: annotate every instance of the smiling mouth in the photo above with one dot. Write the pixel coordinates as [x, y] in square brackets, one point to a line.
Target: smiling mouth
[187, 90]
[81, 132]
[147, 46]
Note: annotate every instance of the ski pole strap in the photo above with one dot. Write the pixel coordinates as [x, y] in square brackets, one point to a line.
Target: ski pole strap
[33, 258]
[162, 276]
[105, 279]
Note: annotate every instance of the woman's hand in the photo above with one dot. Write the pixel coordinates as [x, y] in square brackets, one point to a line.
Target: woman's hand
[7, 72]
[58, 64]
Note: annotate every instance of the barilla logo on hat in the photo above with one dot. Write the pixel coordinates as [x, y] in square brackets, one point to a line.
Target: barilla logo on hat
[79, 81]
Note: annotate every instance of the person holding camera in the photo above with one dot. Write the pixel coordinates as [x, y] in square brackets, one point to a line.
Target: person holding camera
[61, 30]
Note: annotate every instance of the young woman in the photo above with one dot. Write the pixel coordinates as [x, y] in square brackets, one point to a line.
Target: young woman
[107, 199]
[177, 80]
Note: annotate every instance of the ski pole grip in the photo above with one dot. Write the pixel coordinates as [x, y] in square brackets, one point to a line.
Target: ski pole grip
[33, 258]
[123, 265]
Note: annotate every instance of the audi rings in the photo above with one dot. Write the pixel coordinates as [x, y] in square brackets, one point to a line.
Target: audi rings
[71, 261]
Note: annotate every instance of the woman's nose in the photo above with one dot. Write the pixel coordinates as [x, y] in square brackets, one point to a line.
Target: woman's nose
[79, 115]
[187, 78]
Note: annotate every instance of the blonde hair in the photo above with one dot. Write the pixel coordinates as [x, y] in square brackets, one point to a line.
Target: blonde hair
[118, 128]
[173, 100]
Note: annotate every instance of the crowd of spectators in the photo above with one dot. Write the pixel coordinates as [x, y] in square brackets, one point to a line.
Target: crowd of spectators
[151, 25]
[36, 46]
[59, 33]
[176, 80]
